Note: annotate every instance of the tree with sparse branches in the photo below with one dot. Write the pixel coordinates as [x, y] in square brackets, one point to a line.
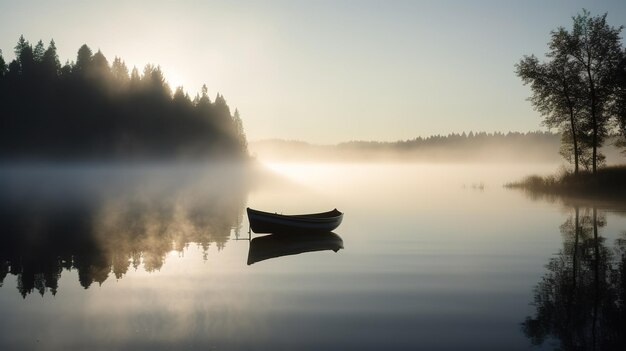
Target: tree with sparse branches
[595, 47]
[556, 88]
[579, 84]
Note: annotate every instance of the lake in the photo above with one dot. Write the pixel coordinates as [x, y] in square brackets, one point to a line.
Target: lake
[434, 257]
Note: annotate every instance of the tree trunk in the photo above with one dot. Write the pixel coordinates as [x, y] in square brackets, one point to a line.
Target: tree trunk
[574, 139]
[595, 138]
[594, 121]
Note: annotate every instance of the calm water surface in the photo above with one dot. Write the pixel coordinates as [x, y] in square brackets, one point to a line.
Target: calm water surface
[435, 257]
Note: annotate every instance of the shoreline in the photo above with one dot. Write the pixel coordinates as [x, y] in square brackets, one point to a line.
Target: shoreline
[608, 183]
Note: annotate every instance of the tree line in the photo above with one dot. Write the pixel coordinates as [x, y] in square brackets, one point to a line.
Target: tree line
[454, 139]
[92, 108]
[581, 87]
[537, 146]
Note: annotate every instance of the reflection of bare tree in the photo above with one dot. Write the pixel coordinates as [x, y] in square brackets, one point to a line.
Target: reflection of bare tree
[110, 231]
[580, 300]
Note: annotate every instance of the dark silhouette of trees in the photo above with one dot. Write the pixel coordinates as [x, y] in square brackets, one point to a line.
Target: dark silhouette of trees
[96, 109]
[38, 51]
[243, 143]
[50, 64]
[596, 48]
[580, 81]
[83, 58]
[619, 108]
[3, 65]
[24, 56]
[120, 72]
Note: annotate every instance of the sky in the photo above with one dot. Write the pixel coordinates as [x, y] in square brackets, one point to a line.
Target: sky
[324, 71]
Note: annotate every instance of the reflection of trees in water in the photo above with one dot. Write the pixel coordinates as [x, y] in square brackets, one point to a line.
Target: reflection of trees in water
[145, 230]
[581, 299]
[109, 233]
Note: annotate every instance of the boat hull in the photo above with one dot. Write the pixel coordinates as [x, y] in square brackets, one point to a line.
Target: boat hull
[265, 222]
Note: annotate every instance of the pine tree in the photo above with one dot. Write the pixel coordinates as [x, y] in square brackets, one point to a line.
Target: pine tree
[3, 65]
[38, 52]
[83, 58]
[50, 60]
[241, 135]
[134, 78]
[119, 70]
[24, 55]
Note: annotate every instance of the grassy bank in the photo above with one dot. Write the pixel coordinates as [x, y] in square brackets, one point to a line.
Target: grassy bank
[609, 182]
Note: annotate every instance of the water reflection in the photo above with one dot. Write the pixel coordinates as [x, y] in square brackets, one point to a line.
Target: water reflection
[581, 299]
[278, 245]
[101, 221]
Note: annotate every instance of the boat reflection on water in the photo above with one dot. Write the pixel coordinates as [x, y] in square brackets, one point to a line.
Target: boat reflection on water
[285, 244]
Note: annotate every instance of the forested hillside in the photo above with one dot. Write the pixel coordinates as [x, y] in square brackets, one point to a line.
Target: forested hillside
[90, 108]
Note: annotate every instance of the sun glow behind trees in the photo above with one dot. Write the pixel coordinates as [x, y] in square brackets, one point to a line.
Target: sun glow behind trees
[90, 108]
[295, 67]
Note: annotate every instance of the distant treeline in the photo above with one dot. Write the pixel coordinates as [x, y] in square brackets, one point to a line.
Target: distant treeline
[455, 140]
[91, 108]
[500, 147]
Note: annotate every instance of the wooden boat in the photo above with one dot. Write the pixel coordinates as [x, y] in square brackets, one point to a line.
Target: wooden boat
[265, 222]
[273, 245]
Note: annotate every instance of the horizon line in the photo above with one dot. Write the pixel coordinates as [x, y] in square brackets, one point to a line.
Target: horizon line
[402, 139]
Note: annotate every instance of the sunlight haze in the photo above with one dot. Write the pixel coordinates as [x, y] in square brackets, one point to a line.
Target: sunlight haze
[313, 175]
[323, 71]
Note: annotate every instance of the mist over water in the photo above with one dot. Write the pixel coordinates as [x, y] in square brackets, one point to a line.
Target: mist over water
[101, 219]
[435, 256]
[140, 211]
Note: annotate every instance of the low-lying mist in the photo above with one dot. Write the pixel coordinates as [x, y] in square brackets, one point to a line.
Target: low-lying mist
[102, 219]
[534, 147]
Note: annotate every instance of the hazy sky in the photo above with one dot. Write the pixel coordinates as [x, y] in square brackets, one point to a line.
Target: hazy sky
[324, 71]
